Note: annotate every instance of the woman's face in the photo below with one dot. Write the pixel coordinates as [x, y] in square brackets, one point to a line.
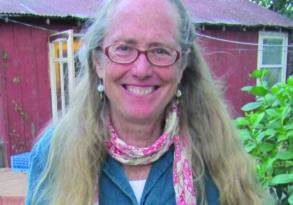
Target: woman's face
[140, 91]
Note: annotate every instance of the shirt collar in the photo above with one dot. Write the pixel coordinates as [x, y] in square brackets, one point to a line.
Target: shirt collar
[114, 171]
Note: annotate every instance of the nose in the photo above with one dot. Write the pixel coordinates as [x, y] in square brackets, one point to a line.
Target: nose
[142, 67]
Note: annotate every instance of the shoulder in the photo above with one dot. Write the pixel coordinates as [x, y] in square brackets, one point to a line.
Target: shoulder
[38, 160]
[40, 149]
[44, 138]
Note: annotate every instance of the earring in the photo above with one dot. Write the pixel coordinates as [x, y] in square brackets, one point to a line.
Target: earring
[178, 93]
[100, 89]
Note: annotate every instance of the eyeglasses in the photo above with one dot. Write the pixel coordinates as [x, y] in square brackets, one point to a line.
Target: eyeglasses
[160, 56]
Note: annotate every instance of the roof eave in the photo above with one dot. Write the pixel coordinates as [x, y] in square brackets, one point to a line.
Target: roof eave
[244, 25]
[75, 16]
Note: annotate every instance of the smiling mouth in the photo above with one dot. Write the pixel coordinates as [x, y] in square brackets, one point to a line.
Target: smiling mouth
[140, 91]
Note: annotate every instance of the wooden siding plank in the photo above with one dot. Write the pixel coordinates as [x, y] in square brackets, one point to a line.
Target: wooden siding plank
[29, 82]
[231, 63]
[15, 126]
[40, 44]
[3, 92]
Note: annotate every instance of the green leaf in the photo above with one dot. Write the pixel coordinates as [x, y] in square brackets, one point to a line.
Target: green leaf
[260, 137]
[251, 106]
[274, 124]
[289, 163]
[259, 73]
[241, 121]
[276, 103]
[282, 137]
[247, 88]
[266, 147]
[282, 179]
[272, 112]
[244, 135]
[287, 155]
[270, 99]
[267, 165]
[251, 117]
[290, 199]
[269, 132]
[289, 134]
[275, 89]
[290, 80]
[259, 91]
[258, 120]
[249, 147]
[289, 127]
[286, 112]
[256, 73]
[265, 72]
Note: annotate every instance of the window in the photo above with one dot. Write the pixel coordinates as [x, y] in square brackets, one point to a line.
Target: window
[272, 55]
[62, 47]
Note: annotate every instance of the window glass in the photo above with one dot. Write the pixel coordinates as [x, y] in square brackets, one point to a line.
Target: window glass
[272, 51]
[274, 76]
[66, 83]
[58, 85]
[64, 49]
[272, 55]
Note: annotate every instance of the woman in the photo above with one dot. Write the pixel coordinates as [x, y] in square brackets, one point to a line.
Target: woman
[147, 125]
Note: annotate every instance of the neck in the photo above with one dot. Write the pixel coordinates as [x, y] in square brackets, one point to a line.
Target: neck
[137, 133]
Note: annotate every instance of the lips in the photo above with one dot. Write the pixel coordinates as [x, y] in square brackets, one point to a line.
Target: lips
[139, 90]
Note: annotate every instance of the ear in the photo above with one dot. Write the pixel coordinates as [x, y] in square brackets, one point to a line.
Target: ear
[183, 65]
[180, 74]
[181, 71]
[99, 68]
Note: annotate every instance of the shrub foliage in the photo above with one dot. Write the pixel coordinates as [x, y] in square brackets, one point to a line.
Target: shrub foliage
[266, 130]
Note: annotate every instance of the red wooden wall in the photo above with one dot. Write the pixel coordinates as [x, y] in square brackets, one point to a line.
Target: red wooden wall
[24, 86]
[231, 63]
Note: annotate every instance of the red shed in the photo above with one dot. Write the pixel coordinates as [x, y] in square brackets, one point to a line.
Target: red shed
[37, 62]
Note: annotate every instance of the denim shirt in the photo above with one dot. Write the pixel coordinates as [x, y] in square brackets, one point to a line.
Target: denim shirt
[113, 183]
[158, 190]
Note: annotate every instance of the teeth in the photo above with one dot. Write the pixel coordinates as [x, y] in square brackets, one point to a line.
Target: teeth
[140, 90]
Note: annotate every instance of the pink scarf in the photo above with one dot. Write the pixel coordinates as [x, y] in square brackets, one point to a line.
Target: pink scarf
[131, 155]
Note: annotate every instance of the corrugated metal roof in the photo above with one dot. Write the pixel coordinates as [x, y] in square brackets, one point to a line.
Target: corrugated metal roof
[54, 8]
[235, 12]
[229, 12]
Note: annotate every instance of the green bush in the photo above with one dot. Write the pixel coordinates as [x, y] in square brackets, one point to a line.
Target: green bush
[266, 130]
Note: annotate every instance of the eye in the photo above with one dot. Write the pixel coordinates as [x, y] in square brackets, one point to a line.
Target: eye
[160, 51]
[123, 48]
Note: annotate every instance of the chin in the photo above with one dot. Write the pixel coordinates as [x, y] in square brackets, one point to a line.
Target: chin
[144, 114]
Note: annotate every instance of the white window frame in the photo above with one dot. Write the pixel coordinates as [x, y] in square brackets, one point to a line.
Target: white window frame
[273, 35]
[66, 36]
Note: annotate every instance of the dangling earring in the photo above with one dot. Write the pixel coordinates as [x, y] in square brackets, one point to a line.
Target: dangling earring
[100, 89]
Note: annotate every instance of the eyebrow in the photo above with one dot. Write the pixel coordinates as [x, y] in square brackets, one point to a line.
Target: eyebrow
[128, 41]
[134, 42]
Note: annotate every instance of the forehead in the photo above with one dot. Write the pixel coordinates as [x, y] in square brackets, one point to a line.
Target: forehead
[143, 21]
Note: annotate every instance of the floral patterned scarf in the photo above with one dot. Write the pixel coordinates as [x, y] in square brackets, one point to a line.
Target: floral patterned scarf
[132, 155]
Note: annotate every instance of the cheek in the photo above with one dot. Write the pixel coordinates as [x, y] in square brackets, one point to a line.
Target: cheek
[171, 76]
[104, 67]
[112, 72]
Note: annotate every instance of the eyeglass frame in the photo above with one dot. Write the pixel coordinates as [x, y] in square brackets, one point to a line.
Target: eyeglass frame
[139, 52]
